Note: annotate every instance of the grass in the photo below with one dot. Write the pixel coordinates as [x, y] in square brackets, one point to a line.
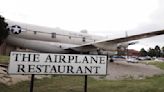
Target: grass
[157, 64]
[76, 83]
[4, 59]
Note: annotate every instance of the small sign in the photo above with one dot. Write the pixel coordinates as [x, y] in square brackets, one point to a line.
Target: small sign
[45, 63]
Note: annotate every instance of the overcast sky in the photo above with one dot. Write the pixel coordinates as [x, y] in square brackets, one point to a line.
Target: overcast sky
[109, 18]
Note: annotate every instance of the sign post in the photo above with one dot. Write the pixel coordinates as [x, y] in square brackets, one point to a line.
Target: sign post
[32, 83]
[85, 84]
[59, 64]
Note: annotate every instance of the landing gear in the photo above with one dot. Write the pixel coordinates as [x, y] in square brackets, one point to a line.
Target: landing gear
[111, 59]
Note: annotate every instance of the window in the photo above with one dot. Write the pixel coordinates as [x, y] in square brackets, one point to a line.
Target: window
[69, 37]
[84, 39]
[35, 32]
[53, 35]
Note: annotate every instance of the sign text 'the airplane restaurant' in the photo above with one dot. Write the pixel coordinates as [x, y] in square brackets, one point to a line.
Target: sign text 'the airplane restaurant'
[45, 63]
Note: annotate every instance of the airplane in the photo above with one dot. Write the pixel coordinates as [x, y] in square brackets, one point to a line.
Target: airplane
[50, 40]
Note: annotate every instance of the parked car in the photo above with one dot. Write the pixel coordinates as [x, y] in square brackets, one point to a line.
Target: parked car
[144, 58]
[132, 60]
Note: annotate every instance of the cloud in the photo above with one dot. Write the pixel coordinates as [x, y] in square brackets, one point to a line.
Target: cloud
[158, 16]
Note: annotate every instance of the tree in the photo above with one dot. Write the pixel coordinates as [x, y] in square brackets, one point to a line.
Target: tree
[151, 52]
[143, 52]
[3, 29]
[157, 51]
[162, 51]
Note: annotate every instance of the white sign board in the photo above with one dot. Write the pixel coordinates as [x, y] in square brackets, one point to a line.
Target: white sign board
[45, 63]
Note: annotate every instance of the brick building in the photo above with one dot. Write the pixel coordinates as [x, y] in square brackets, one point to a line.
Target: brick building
[132, 52]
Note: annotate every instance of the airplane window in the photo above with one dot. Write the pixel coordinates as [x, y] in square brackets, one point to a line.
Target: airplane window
[83, 39]
[20, 48]
[35, 32]
[53, 35]
[69, 37]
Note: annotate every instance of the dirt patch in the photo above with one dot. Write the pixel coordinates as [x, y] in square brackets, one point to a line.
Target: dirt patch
[124, 70]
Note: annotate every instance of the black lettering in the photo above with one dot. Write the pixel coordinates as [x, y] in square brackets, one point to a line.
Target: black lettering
[62, 59]
[76, 59]
[79, 70]
[70, 58]
[93, 59]
[26, 56]
[55, 58]
[60, 70]
[48, 59]
[16, 56]
[97, 67]
[102, 60]
[88, 69]
[53, 69]
[21, 68]
[85, 60]
[46, 66]
[31, 68]
[70, 69]
[36, 58]
[38, 67]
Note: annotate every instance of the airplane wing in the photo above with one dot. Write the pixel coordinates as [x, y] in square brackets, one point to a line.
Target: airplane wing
[108, 44]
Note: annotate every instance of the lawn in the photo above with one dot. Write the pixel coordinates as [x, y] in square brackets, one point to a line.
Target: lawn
[4, 59]
[157, 64]
[76, 83]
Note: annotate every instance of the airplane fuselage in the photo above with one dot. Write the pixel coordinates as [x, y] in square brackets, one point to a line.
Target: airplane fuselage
[57, 40]
[48, 39]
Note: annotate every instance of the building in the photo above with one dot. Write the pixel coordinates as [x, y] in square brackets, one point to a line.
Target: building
[132, 52]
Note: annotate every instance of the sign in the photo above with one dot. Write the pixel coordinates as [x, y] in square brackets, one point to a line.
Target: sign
[45, 63]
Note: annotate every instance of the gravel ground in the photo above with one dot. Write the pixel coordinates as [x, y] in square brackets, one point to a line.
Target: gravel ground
[123, 70]
[11, 79]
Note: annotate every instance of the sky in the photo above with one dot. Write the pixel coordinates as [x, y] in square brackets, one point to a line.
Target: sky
[109, 18]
